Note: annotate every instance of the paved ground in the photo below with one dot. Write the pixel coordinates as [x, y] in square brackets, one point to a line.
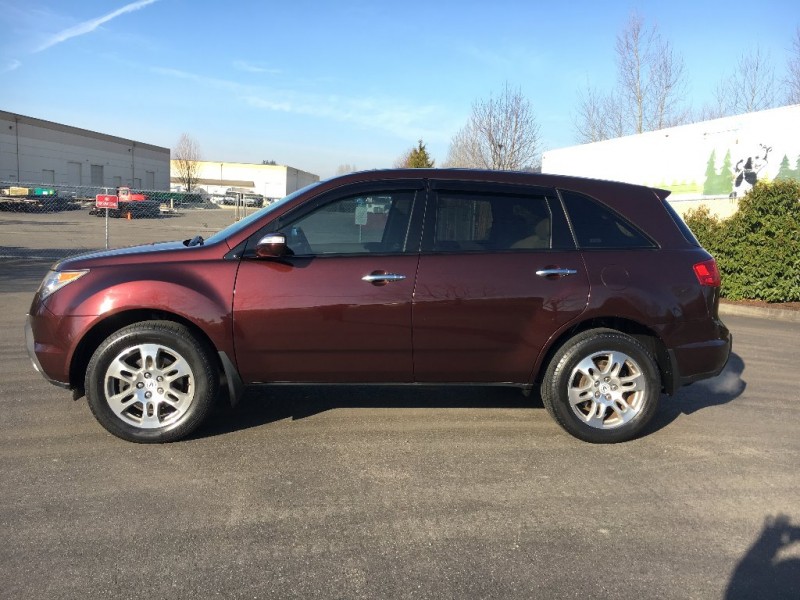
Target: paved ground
[436, 493]
[58, 234]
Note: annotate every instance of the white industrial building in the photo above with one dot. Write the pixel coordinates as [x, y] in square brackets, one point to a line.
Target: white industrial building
[42, 152]
[712, 163]
[270, 181]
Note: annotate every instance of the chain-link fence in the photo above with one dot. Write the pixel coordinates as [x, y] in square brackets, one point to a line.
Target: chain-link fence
[50, 222]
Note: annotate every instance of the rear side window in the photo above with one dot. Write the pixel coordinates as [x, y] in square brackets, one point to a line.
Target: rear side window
[598, 227]
[482, 222]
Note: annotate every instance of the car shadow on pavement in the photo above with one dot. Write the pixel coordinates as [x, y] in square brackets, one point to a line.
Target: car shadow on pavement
[724, 388]
[765, 571]
[267, 404]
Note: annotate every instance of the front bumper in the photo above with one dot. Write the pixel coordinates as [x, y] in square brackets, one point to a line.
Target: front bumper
[30, 345]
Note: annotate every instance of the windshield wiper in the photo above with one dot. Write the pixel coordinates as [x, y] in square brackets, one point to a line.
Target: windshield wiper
[195, 241]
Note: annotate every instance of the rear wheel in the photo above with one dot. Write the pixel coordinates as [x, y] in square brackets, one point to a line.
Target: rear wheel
[151, 382]
[602, 386]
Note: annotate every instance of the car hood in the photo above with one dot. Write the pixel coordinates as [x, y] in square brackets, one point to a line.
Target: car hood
[142, 253]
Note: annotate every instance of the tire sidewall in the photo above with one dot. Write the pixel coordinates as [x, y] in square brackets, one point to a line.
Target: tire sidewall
[173, 336]
[557, 380]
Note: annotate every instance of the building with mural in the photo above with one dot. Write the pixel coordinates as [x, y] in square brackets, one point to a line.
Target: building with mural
[712, 162]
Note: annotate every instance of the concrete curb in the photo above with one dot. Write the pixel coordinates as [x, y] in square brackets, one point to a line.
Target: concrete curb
[773, 314]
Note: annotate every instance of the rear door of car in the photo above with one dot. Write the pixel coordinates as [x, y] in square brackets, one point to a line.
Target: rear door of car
[339, 309]
[498, 275]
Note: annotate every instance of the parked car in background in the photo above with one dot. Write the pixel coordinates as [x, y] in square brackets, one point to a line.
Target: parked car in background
[242, 199]
[592, 293]
[252, 200]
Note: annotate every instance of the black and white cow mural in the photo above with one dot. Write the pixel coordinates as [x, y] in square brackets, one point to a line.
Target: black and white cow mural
[747, 170]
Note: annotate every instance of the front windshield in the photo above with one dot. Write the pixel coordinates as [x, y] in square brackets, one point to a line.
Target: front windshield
[234, 228]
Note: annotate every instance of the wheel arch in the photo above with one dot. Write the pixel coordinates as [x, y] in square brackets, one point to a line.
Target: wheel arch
[643, 334]
[106, 327]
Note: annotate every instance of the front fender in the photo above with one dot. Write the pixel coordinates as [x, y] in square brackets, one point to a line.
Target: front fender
[199, 295]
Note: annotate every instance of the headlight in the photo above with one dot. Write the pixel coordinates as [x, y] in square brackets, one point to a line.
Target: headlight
[55, 280]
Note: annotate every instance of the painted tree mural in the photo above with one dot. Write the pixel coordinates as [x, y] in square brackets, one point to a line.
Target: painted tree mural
[718, 183]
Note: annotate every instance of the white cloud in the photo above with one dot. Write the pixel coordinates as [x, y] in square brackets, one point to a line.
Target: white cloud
[367, 112]
[428, 122]
[251, 68]
[200, 79]
[92, 24]
[10, 65]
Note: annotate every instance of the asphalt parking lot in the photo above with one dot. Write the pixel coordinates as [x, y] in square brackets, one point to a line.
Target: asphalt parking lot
[325, 492]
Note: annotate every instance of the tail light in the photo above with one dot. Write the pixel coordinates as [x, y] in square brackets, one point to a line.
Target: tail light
[707, 273]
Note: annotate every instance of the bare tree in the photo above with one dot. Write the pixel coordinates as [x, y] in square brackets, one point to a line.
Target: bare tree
[718, 107]
[600, 117]
[792, 81]
[186, 156]
[668, 82]
[751, 87]
[345, 168]
[651, 85]
[502, 134]
[402, 160]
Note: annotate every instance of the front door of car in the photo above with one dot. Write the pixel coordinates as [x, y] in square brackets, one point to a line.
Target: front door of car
[338, 309]
[498, 275]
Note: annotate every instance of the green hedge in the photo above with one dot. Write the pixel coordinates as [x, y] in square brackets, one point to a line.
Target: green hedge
[758, 248]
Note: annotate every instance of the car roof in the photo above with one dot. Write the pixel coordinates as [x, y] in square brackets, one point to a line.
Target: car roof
[485, 175]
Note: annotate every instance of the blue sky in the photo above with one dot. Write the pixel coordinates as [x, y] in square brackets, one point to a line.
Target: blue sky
[319, 84]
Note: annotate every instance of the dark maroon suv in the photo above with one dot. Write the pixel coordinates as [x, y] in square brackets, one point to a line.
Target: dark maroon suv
[594, 293]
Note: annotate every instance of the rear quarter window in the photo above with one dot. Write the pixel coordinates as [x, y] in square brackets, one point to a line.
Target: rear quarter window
[682, 226]
[596, 226]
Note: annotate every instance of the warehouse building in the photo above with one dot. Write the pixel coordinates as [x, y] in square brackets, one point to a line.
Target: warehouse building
[34, 151]
[269, 181]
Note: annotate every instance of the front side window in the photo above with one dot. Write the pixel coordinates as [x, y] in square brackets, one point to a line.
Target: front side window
[488, 223]
[375, 222]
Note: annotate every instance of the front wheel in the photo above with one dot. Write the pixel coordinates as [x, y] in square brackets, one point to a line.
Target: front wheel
[151, 382]
[602, 386]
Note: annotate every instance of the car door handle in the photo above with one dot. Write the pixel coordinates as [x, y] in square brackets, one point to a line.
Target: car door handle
[381, 278]
[555, 272]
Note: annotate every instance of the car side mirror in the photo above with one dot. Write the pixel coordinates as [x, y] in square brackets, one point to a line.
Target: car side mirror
[272, 245]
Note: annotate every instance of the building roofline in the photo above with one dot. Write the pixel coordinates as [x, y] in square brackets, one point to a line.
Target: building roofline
[246, 164]
[227, 182]
[77, 130]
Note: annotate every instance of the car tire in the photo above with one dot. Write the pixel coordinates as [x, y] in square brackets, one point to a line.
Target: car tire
[602, 386]
[151, 382]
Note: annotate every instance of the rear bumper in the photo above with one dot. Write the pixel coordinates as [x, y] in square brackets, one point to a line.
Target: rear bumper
[702, 360]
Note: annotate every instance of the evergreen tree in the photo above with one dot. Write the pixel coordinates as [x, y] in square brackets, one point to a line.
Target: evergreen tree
[419, 158]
